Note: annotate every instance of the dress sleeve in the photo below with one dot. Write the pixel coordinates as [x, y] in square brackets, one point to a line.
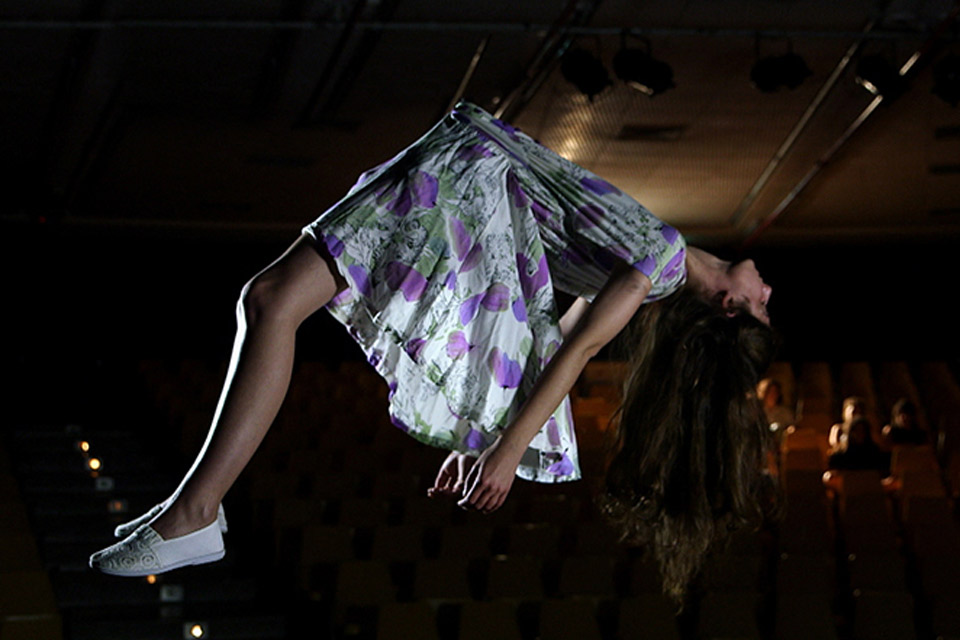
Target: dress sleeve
[610, 225]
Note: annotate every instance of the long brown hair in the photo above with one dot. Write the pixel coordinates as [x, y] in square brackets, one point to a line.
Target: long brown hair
[690, 448]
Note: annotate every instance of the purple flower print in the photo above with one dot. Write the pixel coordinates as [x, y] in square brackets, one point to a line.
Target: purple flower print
[420, 190]
[374, 358]
[414, 347]
[469, 308]
[669, 233]
[506, 371]
[391, 389]
[519, 310]
[540, 212]
[517, 194]
[406, 279]
[673, 267]
[472, 259]
[530, 283]
[496, 298]
[468, 154]
[400, 204]
[474, 440]
[553, 432]
[562, 467]
[457, 345]
[340, 298]
[588, 215]
[334, 245]
[399, 424]
[598, 186]
[461, 239]
[646, 266]
[360, 279]
[425, 188]
[451, 280]
[509, 128]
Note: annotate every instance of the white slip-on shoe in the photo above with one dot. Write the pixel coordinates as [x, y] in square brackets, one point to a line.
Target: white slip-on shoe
[144, 552]
[125, 529]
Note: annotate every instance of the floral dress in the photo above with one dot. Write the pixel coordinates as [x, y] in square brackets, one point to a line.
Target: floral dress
[452, 251]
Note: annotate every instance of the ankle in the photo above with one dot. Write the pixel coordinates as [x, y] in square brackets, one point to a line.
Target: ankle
[195, 510]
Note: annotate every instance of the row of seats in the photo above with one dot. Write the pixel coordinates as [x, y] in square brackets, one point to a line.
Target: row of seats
[339, 495]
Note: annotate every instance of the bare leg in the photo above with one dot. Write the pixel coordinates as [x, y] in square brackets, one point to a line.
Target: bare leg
[271, 308]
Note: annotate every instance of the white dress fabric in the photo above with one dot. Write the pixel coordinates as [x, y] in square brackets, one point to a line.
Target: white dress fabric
[452, 251]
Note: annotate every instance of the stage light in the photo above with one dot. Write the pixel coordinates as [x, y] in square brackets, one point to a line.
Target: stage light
[794, 70]
[876, 75]
[642, 71]
[151, 579]
[83, 446]
[772, 72]
[946, 79]
[193, 630]
[94, 464]
[583, 69]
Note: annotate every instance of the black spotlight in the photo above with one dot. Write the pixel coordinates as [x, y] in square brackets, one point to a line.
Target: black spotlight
[876, 75]
[946, 79]
[642, 71]
[773, 72]
[583, 69]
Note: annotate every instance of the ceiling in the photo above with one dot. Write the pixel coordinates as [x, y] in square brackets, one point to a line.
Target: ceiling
[256, 115]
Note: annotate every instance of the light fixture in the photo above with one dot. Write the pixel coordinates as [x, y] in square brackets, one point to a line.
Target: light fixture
[772, 72]
[193, 630]
[877, 75]
[585, 70]
[640, 70]
[946, 79]
[94, 464]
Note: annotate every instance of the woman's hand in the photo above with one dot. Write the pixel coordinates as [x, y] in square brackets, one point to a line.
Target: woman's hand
[451, 477]
[490, 478]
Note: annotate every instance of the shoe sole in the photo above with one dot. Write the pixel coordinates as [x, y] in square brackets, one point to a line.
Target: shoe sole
[210, 557]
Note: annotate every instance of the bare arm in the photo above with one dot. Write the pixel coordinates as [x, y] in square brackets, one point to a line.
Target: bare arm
[572, 316]
[490, 478]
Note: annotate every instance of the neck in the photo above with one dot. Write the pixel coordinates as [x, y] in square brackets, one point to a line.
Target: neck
[705, 271]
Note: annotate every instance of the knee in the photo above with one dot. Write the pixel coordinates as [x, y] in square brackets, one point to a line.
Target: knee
[265, 298]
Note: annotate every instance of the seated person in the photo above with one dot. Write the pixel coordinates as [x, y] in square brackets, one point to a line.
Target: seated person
[903, 427]
[858, 451]
[771, 396]
[853, 407]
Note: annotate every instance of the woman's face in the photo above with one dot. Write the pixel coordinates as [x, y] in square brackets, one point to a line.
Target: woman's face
[745, 288]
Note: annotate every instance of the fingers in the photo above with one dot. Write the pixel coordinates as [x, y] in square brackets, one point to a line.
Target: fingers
[483, 497]
[464, 464]
[443, 485]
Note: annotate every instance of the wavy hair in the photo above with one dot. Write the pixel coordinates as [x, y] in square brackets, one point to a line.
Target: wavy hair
[689, 458]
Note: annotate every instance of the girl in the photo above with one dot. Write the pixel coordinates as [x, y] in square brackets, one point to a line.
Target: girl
[441, 263]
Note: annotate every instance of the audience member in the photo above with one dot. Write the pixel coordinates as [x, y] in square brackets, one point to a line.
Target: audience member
[903, 427]
[858, 451]
[853, 407]
[770, 393]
